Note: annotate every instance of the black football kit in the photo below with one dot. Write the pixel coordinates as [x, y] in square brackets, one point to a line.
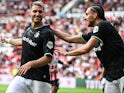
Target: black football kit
[110, 49]
[37, 43]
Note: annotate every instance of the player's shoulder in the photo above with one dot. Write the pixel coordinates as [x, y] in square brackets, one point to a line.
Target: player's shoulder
[28, 26]
[46, 28]
[104, 22]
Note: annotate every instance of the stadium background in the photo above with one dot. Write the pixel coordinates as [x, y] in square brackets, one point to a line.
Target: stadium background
[66, 15]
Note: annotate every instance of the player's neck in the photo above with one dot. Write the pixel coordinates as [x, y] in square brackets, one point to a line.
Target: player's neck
[35, 25]
[97, 21]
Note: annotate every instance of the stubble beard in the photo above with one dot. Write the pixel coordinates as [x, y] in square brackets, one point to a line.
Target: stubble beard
[37, 21]
[91, 23]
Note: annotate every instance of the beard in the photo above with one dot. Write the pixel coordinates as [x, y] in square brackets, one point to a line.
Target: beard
[36, 20]
[91, 23]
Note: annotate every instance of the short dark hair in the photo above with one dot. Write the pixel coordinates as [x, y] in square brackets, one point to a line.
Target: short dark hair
[99, 10]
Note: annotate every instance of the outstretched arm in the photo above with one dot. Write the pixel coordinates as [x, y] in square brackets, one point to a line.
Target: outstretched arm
[68, 38]
[16, 42]
[82, 50]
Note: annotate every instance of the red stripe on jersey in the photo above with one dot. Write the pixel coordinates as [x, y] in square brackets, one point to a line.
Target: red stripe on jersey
[55, 74]
[53, 65]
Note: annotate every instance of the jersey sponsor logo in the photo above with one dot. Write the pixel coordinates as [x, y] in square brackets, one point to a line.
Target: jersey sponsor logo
[96, 29]
[50, 44]
[36, 35]
[29, 41]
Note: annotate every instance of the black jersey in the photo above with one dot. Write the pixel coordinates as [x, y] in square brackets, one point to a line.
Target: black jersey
[37, 43]
[110, 50]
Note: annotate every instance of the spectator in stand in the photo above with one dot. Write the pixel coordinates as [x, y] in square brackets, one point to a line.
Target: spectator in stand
[54, 79]
[53, 68]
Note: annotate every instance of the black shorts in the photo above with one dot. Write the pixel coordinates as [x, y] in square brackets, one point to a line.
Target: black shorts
[55, 82]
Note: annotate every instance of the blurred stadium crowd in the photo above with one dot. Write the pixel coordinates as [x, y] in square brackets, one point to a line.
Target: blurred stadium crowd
[14, 17]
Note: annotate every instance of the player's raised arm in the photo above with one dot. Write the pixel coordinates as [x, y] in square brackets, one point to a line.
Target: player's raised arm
[67, 37]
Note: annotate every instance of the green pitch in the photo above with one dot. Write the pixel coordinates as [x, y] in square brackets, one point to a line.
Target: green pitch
[78, 90]
[63, 90]
[3, 88]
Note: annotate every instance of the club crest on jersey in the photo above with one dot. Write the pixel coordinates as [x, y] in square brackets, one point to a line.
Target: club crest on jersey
[37, 34]
[50, 44]
[96, 29]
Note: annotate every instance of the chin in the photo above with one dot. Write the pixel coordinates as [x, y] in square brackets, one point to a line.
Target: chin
[37, 21]
[90, 25]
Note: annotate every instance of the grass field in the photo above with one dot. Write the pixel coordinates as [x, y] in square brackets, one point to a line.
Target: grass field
[63, 90]
[3, 88]
[78, 90]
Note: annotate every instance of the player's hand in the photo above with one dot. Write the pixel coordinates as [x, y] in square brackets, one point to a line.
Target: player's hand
[61, 50]
[53, 70]
[24, 68]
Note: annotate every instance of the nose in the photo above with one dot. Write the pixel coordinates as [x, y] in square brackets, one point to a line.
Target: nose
[37, 13]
